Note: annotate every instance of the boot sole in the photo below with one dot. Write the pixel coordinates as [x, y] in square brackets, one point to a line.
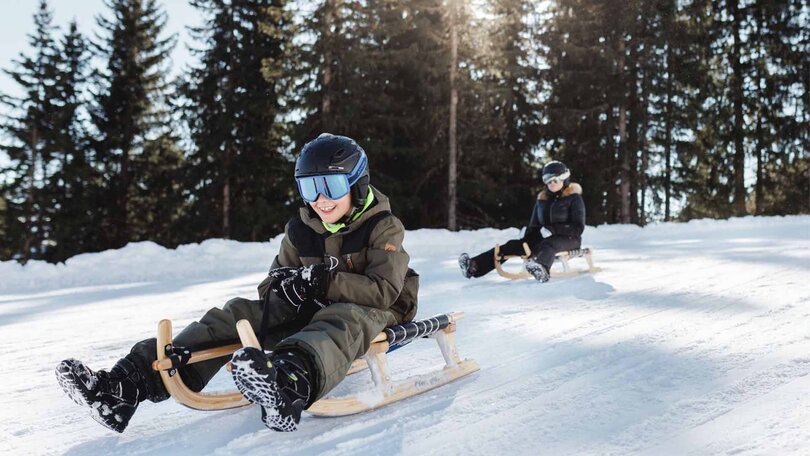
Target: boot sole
[252, 379]
[69, 375]
[464, 264]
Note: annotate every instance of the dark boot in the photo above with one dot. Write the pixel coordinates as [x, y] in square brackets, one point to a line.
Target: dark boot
[280, 385]
[539, 271]
[467, 265]
[112, 397]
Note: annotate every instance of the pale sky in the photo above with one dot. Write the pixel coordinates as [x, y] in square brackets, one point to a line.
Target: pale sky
[16, 22]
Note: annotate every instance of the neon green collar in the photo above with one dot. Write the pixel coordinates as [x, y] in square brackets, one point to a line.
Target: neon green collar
[334, 228]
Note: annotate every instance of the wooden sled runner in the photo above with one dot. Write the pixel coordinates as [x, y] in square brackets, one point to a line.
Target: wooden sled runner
[440, 328]
[562, 257]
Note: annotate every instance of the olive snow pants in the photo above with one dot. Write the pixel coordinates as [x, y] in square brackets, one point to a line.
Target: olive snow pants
[331, 337]
[543, 252]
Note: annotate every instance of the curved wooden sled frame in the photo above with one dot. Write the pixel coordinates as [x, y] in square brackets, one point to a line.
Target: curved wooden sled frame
[385, 390]
[524, 274]
[562, 257]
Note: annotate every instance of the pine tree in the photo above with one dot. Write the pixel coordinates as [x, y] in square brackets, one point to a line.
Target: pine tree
[781, 106]
[324, 65]
[579, 113]
[452, 131]
[388, 89]
[499, 105]
[5, 247]
[130, 111]
[29, 130]
[238, 171]
[675, 80]
[73, 186]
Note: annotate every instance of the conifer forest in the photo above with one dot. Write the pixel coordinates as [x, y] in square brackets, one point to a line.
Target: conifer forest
[664, 110]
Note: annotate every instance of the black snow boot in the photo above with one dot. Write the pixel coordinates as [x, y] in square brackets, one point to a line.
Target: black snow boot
[467, 265]
[280, 385]
[539, 271]
[112, 397]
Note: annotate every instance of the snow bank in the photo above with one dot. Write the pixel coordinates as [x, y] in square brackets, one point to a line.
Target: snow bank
[141, 262]
[149, 262]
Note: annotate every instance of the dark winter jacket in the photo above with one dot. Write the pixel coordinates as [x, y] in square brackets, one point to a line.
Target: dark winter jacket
[372, 267]
[562, 213]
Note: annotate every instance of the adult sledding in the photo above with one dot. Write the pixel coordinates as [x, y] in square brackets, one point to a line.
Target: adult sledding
[554, 233]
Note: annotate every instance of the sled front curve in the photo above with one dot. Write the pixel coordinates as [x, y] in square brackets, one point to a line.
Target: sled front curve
[181, 393]
[512, 275]
[178, 389]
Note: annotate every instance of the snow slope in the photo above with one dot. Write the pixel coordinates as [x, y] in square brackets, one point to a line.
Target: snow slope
[694, 339]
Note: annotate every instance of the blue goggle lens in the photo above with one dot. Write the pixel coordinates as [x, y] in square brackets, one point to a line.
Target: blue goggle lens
[332, 186]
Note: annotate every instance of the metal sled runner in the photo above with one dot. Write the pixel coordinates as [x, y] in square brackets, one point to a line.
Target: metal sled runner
[562, 257]
[440, 328]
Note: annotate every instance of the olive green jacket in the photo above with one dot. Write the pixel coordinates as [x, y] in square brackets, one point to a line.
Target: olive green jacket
[369, 265]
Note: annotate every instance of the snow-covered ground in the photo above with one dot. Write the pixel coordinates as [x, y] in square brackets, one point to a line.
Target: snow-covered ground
[694, 339]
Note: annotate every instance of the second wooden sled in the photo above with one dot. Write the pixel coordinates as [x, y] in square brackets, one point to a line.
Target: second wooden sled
[440, 328]
[561, 257]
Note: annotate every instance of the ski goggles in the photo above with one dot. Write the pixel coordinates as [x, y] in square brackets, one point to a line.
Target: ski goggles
[553, 179]
[332, 186]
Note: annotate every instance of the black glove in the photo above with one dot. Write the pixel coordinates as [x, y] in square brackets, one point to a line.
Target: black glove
[278, 274]
[305, 285]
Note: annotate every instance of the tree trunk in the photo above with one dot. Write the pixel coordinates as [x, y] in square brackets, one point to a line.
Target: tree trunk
[759, 200]
[452, 171]
[737, 96]
[644, 144]
[29, 198]
[327, 121]
[226, 196]
[668, 139]
[609, 176]
[624, 150]
[123, 226]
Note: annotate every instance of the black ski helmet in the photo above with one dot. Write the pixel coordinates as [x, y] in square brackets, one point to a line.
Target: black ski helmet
[335, 154]
[555, 169]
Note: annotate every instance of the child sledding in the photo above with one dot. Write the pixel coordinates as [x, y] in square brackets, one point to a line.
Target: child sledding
[340, 278]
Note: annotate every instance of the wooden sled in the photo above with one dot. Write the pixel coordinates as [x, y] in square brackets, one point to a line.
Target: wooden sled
[441, 328]
[565, 257]
[561, 257]
[524, 274]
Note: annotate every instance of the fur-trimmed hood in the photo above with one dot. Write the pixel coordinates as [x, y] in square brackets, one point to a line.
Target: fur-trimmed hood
[573, 188]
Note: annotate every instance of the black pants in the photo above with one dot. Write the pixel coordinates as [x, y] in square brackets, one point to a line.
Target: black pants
[543, 251]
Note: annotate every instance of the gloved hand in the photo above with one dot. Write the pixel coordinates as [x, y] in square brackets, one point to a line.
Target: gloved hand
[545, 232]
[305, 285]
[278, 274]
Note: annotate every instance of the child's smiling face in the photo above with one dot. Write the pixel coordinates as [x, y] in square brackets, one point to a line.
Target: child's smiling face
[331, 211]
